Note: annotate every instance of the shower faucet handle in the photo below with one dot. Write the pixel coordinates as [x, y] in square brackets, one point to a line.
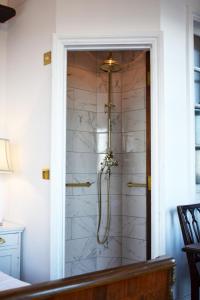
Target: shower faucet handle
[106, 106]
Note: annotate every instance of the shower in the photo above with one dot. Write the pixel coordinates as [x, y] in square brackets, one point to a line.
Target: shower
[107, 152]
[109, 66]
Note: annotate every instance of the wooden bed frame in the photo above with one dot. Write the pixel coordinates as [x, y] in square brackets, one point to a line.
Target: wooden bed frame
[150, 280]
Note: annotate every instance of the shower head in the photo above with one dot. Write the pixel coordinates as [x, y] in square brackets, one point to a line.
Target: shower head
[110, 65]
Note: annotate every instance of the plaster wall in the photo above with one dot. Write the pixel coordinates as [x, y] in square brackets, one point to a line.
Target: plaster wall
[3, 40]
[28, 127]
[83, 18]
[179, 181]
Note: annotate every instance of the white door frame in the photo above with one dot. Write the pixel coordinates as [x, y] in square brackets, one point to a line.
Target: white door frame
[58, 136]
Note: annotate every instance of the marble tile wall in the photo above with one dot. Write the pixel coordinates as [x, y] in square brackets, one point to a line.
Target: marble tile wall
[86, 148]
[133, 157]
[81, 164]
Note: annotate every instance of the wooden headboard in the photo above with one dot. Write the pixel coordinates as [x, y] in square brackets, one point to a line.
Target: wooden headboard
[151, 280]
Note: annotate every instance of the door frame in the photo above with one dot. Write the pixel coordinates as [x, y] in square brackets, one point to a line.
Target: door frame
[62, 43]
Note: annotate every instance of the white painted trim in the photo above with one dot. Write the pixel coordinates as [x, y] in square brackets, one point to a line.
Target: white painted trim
[58, 154]
[62, 43]
[190, 104]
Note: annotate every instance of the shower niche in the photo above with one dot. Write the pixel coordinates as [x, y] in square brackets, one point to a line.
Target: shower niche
[107, 160]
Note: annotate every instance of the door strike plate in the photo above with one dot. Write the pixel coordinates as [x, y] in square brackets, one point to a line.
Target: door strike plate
[47, 58]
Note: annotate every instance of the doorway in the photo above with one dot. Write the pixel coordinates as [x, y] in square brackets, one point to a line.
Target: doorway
[108, 160]
[58, 162]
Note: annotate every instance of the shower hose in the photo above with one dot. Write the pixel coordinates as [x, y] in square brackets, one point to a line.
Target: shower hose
[103, 238]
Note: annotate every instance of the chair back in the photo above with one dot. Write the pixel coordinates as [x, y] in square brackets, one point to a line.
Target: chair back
[189, 217]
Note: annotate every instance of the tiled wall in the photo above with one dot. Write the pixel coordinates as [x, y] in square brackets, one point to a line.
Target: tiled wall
[86, 148]
[134, 156]
[81, 164]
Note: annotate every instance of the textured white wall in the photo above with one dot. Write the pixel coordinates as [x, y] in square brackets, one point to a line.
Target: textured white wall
[28, 126]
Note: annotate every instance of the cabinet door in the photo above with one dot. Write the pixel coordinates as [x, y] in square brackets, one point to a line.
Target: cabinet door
[10, 262]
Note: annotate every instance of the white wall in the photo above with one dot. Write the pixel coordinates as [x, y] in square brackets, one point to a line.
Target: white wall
[179, 182]
[3, 40]
[28, 127]
[104, 17]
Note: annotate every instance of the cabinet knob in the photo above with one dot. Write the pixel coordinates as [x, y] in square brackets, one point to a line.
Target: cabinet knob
[2, 241]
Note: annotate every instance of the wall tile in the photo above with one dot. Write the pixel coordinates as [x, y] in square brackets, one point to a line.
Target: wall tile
[134, 249]
[134, 206]
[81, 120]
[83, 227]
[80, 249]
[81, 162]
[134, 141]
[116, 122]
[126, 261]
[68, 269]
[134, 227]
[68, 228]
[83, 266]
[70, 98]
[133, 100]
[81, 79]
[102, 82]
[134, 163]
[108, 262]
[78, 141]
[85, 60]
[134, 121]
[85, 100]
[133, 59]
[81, 206]
[133, 78]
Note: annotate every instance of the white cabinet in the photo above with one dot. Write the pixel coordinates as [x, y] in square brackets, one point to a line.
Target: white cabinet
[10, 249]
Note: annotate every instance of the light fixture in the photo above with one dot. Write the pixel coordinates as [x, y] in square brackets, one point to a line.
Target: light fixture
[5, 160]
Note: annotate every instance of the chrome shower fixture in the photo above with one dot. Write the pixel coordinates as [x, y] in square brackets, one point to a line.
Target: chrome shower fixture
[109, 65]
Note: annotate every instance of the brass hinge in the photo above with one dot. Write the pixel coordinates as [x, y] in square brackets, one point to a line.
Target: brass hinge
[149, 182]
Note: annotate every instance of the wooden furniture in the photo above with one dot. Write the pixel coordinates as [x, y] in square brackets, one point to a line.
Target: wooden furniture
[150, 280]
[10, 249]
[189, 216]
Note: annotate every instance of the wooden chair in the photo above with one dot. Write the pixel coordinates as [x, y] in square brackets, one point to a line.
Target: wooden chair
[189, 217]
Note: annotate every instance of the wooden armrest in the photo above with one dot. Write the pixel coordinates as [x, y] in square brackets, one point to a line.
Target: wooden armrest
[192, 248]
